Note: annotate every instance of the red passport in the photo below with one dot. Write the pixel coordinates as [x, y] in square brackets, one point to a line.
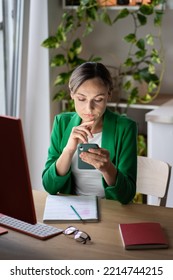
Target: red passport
[145, 235]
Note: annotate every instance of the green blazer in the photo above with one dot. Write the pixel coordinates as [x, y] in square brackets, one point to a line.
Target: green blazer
[119, 137]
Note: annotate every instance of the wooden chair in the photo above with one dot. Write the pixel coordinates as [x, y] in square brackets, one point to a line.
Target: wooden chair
[153, 178]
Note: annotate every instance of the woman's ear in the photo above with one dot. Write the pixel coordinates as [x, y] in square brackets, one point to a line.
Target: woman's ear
[72, 95]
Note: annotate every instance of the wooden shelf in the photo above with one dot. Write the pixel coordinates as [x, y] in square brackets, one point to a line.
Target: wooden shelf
[110, 7]
[156, 103]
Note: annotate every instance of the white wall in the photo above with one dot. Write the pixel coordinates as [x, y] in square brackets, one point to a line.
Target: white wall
[170, 4]
[113, 49]
[35, 106]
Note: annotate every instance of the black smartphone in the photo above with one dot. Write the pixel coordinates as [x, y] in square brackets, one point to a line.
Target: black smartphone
[85, 148]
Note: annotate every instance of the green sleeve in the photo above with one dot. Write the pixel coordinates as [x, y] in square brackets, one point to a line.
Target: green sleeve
[51, 181]
[126, 164]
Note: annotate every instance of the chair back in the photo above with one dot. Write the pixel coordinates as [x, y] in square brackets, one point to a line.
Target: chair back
[153, 178]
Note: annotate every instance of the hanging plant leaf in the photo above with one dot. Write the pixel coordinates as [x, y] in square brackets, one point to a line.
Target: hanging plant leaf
[142, 19]
[62, 79]
[58, 60]
[76, 61]
[152, 86]
[95, 58]
[158, 18]
[76, 46]
[85, 2]
[105, 18]
[142, 145]
[146, 98]
[122, 14]
[141, 44]
[148, 77]
[129, 62]
[151, 69]
[146, 9]
[69, 24]
[136, 76]
[127, 85]
[88, 29]
[60, 95]
[50, 42]
[74, 51]
[130, 38]
[133, 97]
[91, 13]
[61, 34]
[140, 54]
[150, 39]
[70, 106]
[155, 57]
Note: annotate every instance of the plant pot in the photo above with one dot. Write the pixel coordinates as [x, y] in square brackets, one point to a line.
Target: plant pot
[107, 2]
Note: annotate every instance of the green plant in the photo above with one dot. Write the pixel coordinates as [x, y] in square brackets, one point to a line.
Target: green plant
[145, 53]
[69, 45]
[142, 57]
[142, 145]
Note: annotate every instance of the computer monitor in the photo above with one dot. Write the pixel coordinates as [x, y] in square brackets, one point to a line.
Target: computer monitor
[16, 199]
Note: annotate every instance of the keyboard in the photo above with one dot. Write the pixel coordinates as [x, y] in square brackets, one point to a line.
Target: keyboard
[38, 230]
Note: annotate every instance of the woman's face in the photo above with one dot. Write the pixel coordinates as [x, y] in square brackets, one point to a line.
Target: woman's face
[91, 99]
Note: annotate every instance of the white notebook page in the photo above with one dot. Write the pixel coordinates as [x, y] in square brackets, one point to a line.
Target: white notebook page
[58, 208]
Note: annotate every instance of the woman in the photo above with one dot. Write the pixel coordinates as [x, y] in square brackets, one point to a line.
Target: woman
[115, 161]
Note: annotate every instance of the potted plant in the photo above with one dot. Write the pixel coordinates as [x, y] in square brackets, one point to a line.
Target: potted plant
[69, 46]
[144, 64]
[143, 57]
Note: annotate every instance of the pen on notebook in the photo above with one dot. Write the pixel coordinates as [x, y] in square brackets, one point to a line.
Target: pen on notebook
[76, 212]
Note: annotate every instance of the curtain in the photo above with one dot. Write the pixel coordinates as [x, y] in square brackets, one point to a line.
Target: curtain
[13, 11]
[2, 84]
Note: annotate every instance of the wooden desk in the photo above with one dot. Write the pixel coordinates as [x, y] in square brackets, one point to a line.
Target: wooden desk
[106, 241]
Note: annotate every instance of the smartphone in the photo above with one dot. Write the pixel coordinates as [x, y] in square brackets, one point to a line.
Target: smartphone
[85, 148]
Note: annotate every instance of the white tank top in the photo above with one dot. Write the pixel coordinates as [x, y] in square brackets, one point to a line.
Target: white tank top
[88, 182]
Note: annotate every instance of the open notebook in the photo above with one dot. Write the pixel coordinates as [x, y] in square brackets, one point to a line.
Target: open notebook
[71, 208]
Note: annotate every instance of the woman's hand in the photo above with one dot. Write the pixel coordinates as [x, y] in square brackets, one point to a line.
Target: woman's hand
[79, 134]
[100, 159]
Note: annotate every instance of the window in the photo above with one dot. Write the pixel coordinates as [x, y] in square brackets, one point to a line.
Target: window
[11, 13]
[2, 76]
